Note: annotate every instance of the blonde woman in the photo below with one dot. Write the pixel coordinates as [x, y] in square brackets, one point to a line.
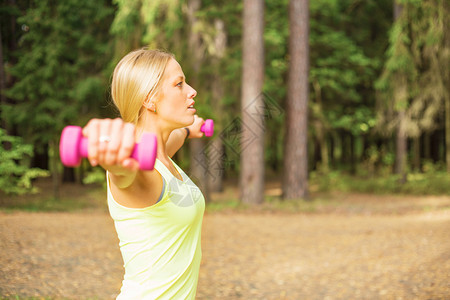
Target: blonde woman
[157, 214]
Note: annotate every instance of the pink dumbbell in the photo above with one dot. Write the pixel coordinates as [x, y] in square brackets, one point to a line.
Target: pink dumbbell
[73, 146]
[208, 127]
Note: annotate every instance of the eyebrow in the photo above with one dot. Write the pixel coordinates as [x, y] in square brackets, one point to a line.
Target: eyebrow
[179, 77]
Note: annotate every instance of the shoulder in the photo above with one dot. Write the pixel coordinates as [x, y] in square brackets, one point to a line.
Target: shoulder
[143, 192]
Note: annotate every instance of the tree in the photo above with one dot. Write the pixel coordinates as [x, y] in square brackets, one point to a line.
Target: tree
[199, 169]
[401, 100]
[295, 180]
[430, 107]
[59, 72]
[218, 92]
[446, 81]
[415, 75]
[10, 34]
[252, 102]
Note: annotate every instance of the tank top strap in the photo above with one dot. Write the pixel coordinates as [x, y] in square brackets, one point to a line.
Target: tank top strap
[162, 169]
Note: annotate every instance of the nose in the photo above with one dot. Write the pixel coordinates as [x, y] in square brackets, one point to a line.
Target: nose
[192, 93]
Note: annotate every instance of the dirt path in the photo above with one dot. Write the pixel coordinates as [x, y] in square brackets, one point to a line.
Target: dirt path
[245, 255]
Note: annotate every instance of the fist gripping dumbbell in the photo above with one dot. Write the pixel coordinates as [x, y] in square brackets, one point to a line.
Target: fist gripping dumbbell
[74, 146]
[208, 127]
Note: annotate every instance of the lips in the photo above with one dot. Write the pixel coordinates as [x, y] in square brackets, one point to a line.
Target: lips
[191, 106]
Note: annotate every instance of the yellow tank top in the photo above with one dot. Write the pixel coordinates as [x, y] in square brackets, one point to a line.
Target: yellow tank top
[160, 244]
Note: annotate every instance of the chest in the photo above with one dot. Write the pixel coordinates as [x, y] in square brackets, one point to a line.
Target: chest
[184, 200]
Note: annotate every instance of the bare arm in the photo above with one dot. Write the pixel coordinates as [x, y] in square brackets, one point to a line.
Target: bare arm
[175, 141]
[112, 155]
[178, 136]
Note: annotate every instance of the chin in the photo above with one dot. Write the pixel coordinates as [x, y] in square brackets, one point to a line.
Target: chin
[187, 121]
[191, 121]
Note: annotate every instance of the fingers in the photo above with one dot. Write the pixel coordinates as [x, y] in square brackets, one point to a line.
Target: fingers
[110, 149]
[104, 139]
[198, 122]
[92, 132]
[110, 143]
[200, 132]
[128, 141]
[198, 119]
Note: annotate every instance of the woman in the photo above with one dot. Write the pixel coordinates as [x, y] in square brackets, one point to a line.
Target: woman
[157, 214]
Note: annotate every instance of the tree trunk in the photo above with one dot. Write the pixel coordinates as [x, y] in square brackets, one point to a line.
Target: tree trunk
[2, 82]
[316, 157]
[194, 42]
[41, 158]
[199, 166]
[352, 154]
[427, 145]
[216, 155]
[416, 151]
[400, 93]
[215, 166]
[401, 148]
[324, 166]
[447, 133]
[345, 150]
[446, 79]
[54, 164]
[68, 175]
[252, 139]
[295, 181]
[319, 125]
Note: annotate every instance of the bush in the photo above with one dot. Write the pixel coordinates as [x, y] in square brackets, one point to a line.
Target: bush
[15, 174]
[431, 182]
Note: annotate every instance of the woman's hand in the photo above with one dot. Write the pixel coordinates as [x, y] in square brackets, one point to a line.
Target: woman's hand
[110, 144]
[194, 129]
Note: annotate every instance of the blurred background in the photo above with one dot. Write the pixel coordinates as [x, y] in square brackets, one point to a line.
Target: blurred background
[376, 96]
[328, 173]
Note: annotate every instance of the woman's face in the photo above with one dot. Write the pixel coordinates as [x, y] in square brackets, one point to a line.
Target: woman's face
[175, 103]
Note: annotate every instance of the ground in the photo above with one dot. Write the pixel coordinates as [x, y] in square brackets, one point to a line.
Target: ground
[354, 247]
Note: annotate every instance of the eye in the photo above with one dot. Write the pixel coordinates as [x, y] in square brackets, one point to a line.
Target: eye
[180, 84]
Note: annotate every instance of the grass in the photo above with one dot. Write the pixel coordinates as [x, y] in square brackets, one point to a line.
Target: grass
[323, 190]
[73, 197]
[433, 183]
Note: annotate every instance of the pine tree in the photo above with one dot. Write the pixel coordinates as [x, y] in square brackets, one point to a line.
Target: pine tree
[295, 180]
[415, 74]
[252, 103]
[58, 74]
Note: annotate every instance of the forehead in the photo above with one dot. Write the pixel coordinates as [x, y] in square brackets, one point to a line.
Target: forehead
[173, 70]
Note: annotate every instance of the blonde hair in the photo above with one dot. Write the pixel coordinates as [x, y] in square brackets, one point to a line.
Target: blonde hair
[136, 78]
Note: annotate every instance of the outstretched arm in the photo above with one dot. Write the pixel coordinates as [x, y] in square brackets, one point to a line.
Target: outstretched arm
[114, 154]
[178, 136]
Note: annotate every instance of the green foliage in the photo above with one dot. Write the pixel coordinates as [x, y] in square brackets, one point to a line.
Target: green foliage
[15, 175]
[428, 183]
[341, 69]
[67, 50]
[415, 73]
[96, 176]
[59, 67]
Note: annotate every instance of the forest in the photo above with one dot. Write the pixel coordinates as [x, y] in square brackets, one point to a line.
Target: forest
[350, 94]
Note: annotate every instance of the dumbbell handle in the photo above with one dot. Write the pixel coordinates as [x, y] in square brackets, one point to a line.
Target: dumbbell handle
[83, 148]
[74, 146]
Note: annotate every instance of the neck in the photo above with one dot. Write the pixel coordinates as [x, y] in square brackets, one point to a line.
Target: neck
[151, 123]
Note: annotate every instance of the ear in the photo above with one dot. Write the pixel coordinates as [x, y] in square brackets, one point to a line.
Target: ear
[149, 104]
